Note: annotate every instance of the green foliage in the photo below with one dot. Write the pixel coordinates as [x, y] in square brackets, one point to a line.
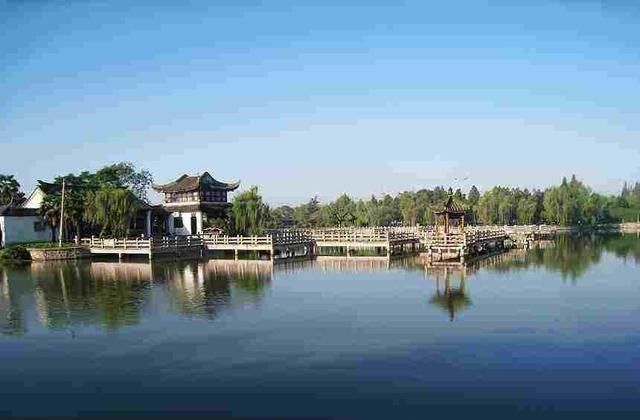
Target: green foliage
[341, 212]
[41, 245]
[308, 215]
[10, 190]
[279, 217]
[573, 203]
[125, 175]
[627, 206]
[85, 191]
[408, 208]
[112, 209]
[570, 203]
[250, 214]
[16, 253]
[473, 196]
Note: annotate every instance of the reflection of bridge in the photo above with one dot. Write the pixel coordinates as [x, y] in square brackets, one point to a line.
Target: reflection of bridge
[344, 264]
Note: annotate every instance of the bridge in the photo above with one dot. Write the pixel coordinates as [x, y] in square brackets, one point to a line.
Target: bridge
[290, 243]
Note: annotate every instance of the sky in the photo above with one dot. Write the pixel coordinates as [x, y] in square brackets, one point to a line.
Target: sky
[307, 98]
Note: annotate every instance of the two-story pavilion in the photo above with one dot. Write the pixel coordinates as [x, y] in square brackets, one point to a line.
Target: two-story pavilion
[191, 200]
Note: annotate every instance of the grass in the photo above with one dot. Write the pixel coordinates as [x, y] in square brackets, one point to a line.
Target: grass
[41, 245]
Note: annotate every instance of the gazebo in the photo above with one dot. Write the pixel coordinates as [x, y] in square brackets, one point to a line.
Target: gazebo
[452, 214]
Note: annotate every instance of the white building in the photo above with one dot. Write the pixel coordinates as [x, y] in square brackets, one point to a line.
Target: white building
[22, 225]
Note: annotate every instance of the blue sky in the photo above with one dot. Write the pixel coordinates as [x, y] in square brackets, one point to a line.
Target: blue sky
[305, 98]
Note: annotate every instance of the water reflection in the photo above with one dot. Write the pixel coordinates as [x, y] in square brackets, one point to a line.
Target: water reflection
[571, 256]
[107, 294]
[114, 295]
[206, 288]
[452, 297]
[11, 306]
[110, 296]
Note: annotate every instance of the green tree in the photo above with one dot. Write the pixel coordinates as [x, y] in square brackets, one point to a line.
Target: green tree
[362, 214]
[473, 196]
[10, 190]
[342, 212]
[408, 208]
[125, 175]
[112, 209]
[249, 212]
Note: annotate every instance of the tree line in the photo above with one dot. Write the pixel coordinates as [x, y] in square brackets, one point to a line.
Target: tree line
[571, 203]
[105, 203]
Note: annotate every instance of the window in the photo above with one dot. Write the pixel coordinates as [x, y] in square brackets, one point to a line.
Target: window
[39, 227]
[177, 222]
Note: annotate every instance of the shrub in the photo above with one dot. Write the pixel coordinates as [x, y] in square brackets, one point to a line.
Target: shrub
[15, 253]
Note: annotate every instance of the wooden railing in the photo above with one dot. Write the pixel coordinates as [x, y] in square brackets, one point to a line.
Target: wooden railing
[360, 235]
[461, 239]
[237, 240]
[177, 242]
[116, 243]
[141, 243]
[484, 235]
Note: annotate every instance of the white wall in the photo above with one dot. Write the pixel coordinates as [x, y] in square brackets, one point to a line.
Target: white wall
[21, 229]
[186, 221]
[35, 199]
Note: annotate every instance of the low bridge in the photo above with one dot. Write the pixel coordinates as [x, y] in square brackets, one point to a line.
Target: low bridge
[290, 243]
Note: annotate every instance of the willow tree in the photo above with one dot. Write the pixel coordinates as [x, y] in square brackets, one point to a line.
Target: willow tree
[112, 209]
[249, 212]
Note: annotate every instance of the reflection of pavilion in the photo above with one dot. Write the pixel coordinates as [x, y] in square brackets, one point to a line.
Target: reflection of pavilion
[450, 296]
[203, 289]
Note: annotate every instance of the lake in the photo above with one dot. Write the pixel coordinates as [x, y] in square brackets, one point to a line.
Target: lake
[552, 332]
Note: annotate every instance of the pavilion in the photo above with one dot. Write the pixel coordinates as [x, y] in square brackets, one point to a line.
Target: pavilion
[192, 201]
[453, 216]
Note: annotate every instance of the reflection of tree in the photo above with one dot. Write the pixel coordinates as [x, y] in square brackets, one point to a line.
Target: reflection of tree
[624, 246]
[451, 299]
[572, 256]
[119, 302]
[69, 295]
[13, 289]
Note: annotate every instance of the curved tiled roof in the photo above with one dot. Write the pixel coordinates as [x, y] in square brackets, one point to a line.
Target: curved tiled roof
[188, 183]
[49, 187]
[452, 207]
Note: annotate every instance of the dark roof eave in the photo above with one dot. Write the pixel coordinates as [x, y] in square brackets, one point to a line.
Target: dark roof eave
[451, 212]
[187, 183]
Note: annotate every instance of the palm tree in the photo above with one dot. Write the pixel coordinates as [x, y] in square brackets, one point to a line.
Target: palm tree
[50, 212]
[10, 190]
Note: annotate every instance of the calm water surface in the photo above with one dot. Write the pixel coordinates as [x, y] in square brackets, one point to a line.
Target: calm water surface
[553, 332]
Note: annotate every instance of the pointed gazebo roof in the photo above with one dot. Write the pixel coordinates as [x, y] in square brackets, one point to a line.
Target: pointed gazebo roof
[452, 208]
